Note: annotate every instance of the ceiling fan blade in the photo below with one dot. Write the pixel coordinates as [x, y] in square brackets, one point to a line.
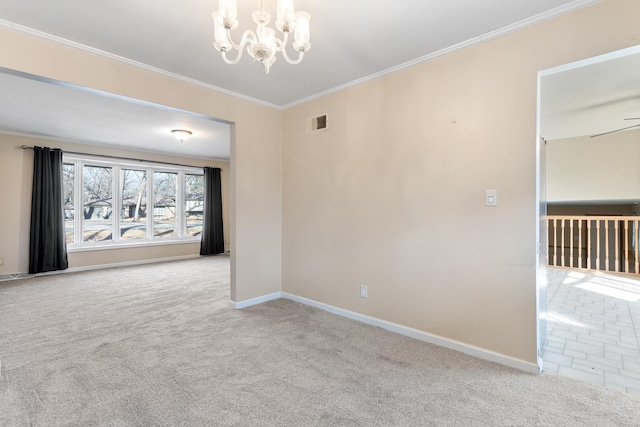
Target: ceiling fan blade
[613, 131]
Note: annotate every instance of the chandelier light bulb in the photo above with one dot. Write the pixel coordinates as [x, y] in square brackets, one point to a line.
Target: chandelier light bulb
[228, 11]
[301, 37]
[286, 16]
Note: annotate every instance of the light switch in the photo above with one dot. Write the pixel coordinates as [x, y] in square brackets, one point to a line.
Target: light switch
[491, 198]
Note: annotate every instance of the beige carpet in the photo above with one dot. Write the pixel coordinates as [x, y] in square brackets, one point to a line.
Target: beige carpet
[158, 345]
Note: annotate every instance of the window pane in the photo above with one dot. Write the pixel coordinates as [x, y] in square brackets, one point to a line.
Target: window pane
[164, 204]
[194, 203]
[97, 204]
[133, 219]
[68, 178]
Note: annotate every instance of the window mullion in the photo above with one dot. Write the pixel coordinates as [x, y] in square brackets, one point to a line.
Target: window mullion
[78, 200]
[116, 211]
[150, 203]
[180, 206]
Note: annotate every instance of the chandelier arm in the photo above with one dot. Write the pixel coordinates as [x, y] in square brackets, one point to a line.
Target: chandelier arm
[282, 48]
[248, 34]
[232, 61]
[282, 43]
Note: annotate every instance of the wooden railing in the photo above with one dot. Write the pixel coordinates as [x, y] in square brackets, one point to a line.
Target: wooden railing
[606, 243]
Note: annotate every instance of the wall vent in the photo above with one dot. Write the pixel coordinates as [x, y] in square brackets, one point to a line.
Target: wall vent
[315, 124]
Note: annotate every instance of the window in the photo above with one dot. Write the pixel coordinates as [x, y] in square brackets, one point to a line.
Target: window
[68, 176]
[113, 197]
[133, 204]
[164, 204]
[193, 203]
[97, 203]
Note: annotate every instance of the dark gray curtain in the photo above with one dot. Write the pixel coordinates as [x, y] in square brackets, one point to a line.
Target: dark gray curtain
[212, 238]
[47, 244]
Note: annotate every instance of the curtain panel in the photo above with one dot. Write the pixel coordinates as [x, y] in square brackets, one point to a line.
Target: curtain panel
[47, 243]
[212, 241]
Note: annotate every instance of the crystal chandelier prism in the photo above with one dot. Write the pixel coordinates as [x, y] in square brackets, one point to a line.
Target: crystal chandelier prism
[262, 45]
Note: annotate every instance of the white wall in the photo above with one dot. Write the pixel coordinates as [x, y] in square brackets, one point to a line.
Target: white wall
[594, 169]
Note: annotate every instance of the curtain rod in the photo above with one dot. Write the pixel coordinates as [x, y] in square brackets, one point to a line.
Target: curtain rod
[25, 147]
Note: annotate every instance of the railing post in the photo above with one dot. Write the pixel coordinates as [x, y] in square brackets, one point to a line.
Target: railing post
[597, 244]
[636, 253]
[626, 245]
[607, 248]
[562, 260]
[571, 242]
[555, 245]
[616, 249]
[588, 244]
[579, 243]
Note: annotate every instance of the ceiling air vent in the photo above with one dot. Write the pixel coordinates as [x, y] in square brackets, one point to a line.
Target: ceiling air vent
[315, 124]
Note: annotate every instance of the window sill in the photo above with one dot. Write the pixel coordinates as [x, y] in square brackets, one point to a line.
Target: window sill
[130, 245]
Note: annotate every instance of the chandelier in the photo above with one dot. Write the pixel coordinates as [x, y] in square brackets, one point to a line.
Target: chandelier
[263, 44]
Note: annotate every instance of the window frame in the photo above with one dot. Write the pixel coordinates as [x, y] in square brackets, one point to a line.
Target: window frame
[80, 161]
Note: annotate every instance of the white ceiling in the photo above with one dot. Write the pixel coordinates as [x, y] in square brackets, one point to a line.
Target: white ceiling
[591, 99]
[351, 41]
[49, 109]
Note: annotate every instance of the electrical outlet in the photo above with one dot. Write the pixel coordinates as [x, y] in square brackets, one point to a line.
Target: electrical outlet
[363, 291]
[1, 261]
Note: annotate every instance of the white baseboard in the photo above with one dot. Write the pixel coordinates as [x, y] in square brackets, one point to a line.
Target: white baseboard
[119, 264]
[14, 276]
[471, 350]
[255, 301]
[422, 336]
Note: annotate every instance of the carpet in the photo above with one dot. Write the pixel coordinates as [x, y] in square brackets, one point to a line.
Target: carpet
[159, 345]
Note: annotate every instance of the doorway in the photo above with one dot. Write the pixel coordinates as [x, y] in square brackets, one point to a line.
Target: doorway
[100, 126]
[588, 320]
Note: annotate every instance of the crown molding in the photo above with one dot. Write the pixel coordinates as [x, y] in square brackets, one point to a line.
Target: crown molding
[569, 7]
[59, 40]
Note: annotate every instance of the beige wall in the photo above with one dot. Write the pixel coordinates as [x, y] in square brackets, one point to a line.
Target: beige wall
[392, 194]
[16, 166]
[603, 168]
[255, 170]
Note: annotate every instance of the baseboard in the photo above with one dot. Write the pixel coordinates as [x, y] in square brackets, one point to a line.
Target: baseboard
[14, 276]
[118, 264]
[96, 267]
[255, 301]
[540, 365]
[422, 336]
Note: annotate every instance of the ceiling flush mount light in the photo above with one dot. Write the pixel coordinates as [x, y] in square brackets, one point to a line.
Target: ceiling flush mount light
[263, 44]
[181, 134]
